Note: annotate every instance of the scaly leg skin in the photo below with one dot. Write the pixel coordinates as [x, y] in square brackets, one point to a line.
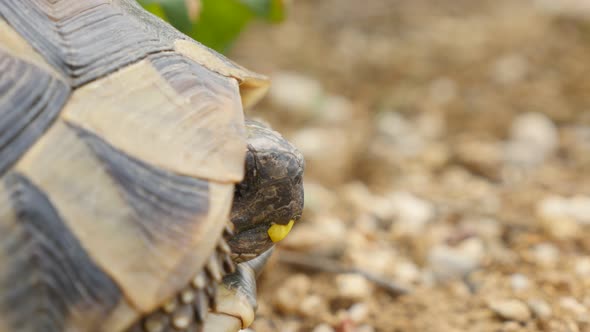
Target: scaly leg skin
[236, 297]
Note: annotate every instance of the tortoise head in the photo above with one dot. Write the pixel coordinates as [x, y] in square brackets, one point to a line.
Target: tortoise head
[269, 199]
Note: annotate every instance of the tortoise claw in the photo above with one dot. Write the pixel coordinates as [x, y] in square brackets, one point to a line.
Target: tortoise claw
[236, 297]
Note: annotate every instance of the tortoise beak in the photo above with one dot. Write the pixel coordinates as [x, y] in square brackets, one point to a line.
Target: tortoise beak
[251, 243]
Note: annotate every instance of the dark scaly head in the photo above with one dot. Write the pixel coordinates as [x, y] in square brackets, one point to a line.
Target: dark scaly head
[270, 198]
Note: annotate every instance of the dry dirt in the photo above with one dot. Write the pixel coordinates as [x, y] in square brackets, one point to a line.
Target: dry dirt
[448, 151]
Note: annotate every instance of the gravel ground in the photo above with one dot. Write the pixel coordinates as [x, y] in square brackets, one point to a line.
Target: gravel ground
[448, 152]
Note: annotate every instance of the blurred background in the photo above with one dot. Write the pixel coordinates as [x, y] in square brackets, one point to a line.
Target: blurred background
[448, 151]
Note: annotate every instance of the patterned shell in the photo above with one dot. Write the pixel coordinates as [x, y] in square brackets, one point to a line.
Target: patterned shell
[120, 143]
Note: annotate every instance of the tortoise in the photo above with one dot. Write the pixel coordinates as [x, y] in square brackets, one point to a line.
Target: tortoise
[131, 183]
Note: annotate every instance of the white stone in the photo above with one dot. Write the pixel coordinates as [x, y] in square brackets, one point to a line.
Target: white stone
[553, 207]
[377, 259]
[323, 328]
[400, 134]
[407, 272]
[448, 262]
[290, 295]
[511, 309]
[393, 125]
[535, 128]
[582, 267]
[556, 218]
[519, 282]
[534, 137]
[321, 232]
[310, 305]
[579, 209]
[545, 254]
[353, 286]
[364, 328]
[412, 213]
[358, 312]
[557, 209]
[540, 308]
[572, 305]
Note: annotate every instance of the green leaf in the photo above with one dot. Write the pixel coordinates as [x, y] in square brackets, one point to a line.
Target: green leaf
[271, 10]
[173, 11]
[178, 14]
[218, 22]
[153, 8]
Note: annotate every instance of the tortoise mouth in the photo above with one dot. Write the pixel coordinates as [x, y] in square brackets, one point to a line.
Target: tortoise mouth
[187, 310]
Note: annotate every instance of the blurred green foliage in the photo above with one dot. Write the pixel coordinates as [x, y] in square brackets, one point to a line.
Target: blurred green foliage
[215, 23]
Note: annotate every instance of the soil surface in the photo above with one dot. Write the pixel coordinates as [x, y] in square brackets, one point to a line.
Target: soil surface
[448, 154]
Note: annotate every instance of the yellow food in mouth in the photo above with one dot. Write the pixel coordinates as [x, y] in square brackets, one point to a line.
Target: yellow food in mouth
[278, 232]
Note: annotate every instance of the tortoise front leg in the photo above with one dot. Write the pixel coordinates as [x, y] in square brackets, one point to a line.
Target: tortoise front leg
[236, 297]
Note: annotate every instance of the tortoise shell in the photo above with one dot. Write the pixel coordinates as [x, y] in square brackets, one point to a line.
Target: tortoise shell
[121, 140]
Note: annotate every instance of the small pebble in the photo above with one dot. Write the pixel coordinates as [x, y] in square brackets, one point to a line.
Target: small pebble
[480, 157]
[511, 326]
[554, 214]
[321, 233]
[412, 213]
[358, 312]
[536, 129]
[582, 267]
[290, 295]
[534, 137]
[323, 328]
[407, 272]
[456, 261]
[540, 308]
[311, 305]
[511, 310]
[546, 254]
[400, 134]
[572, 305]
[353, 286]
[579, 209]
[519, 282]
[379, 260]
[557, 209]
[364, 328]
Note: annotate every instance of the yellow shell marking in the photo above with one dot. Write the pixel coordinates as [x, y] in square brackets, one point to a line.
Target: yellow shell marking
[278, 232]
